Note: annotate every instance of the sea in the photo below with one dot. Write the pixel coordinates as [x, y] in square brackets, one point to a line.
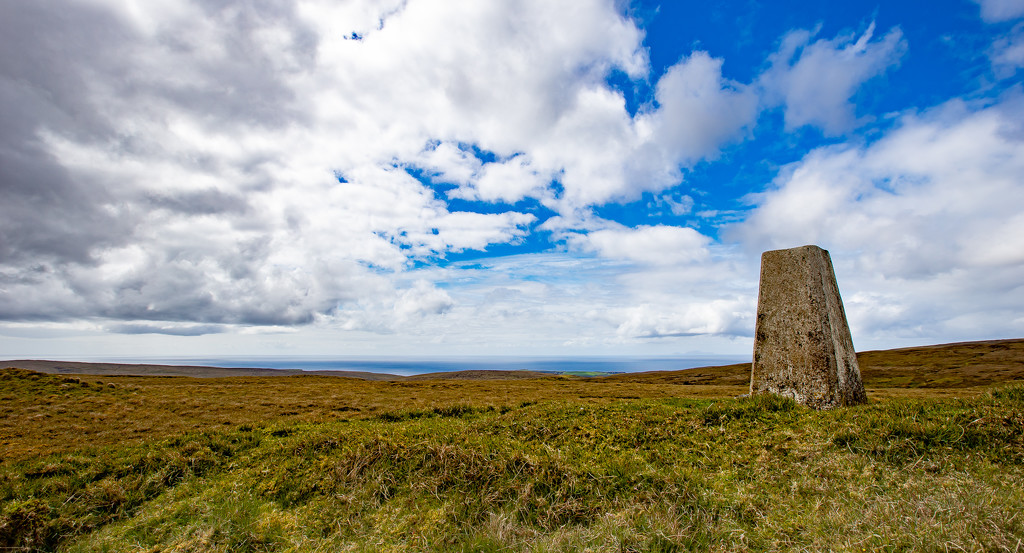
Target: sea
[414, 366]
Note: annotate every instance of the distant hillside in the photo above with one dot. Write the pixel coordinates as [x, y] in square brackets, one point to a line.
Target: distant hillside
[195, 371]
[957, 365]
[199, 371]
[481, 375]
[945, 366]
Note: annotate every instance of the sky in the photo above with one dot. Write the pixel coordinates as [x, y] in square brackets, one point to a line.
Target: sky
[502, 177]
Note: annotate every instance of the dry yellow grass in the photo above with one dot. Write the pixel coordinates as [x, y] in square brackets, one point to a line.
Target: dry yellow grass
[944, 366]
[64, 412]
[655, 462]
[50, 413]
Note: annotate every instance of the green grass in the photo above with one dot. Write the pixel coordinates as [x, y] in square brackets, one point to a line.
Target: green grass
[48, 413]
[651, 474]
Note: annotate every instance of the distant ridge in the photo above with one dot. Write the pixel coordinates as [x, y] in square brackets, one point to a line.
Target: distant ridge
[202, 371]
[955, 365]
[481, 374]
[194, 371]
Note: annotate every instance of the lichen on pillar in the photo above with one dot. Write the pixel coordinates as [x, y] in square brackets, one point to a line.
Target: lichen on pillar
[802, 343]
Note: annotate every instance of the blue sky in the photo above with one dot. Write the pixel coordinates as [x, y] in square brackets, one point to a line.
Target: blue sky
[418, 178]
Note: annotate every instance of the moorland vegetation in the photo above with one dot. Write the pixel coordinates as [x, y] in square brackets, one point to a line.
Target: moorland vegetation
[669, 461]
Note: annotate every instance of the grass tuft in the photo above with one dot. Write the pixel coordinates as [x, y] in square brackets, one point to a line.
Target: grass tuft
[498, 471]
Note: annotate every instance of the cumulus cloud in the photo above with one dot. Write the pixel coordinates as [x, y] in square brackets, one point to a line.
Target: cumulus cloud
[815, 81]
[602, 154]
[927, 219]
[509, 181]
[699, 110]
[250, 163]
[671, 282]
[405, 309]
[714, 317]
[422, 299]
[652, 245]
[448, 162]
[598, 304]
[236, 163]
[186, 168]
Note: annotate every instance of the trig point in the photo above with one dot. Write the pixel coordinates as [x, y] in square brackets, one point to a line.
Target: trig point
[802, 343]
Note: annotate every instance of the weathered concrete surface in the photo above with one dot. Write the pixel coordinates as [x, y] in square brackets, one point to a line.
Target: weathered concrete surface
[802, 343]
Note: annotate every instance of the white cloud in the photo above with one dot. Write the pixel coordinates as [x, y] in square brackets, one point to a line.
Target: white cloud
[449, 163]
[681, 206]
[594, 304]
[670, 283]
[420, 300]
[408, 308]
[816, 81]
[924, 224]
[197, 148]
[994, 11]
[191, 167]
[651, 245]
[509, 181]
[1008, 52]
[462, 230]
[602, 154]
[699, 109]
[714, 317]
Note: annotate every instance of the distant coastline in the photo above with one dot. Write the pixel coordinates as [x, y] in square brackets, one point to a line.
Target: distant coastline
[955, 365]
[370, 367]
[413, 366]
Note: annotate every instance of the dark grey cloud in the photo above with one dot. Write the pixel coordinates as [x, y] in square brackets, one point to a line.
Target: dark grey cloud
[253, 90]
[47, 213]
[187, 330]
[90, 77]
[53, 57]
[191, 287]
[667, 334]
[200, 202]
[187, 289]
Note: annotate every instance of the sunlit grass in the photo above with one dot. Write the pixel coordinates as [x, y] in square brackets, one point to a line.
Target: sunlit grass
[43, 413]
[556, 465]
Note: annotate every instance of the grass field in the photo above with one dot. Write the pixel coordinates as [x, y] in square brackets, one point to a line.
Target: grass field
[649, 462]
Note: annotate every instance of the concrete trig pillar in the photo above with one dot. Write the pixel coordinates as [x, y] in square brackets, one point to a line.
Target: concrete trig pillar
[802, 343]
